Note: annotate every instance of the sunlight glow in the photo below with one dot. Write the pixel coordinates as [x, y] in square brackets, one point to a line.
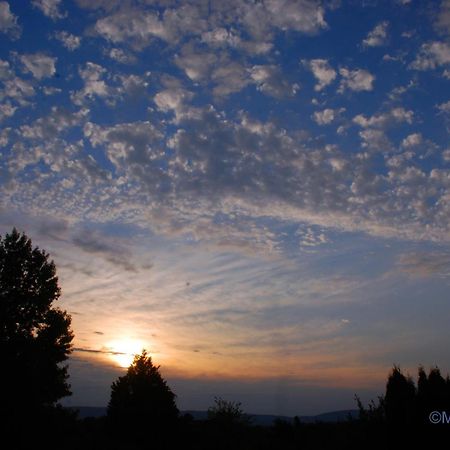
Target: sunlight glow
[124, 350]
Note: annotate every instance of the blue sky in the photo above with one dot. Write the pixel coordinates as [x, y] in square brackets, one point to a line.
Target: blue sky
[257, 192]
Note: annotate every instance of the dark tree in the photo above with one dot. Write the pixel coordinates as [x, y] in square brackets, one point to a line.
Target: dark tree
[226, 412]
[400, 398]
[35, 338]
[141, 400]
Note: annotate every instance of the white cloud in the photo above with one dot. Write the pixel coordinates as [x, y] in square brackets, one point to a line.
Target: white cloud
[375, 140]
[432, 55]
[5, 70]
[50, 127]
[304, 15]
[17, 89]
[398, 91]
[397, 115]
[134, 150]
[39, 64]
[70, 41]
[134, 26]
[50, 8]
[221, 36]
[326, 116]
[446, 155]
[132, 85]
[138, 26]
[121, 56]
[311, 237]
[173, 99]
[412, 140]
[444, 107]
[94, 85]
[197, 64]
[270, 80]
[8, 21]
[49, 90]
[442, 22]
[355, 80]
[219, 165]
[229, 77]
[6, 110]
[4, 136]
[14, 88]
[378, 36]
[322, 71]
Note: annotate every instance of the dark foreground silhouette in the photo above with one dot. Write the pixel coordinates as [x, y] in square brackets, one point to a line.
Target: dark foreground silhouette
[142, 415]
[35, 338]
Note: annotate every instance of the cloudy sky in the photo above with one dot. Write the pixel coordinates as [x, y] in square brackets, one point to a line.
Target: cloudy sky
[255, 191]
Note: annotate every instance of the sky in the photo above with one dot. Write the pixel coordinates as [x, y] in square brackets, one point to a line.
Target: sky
[257, 192]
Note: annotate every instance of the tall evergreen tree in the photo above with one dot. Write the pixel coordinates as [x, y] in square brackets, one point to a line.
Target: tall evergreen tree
[141, 400]
[400, 398]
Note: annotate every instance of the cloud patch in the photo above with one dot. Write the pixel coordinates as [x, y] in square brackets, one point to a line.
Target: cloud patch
[96, 244]
[356, 80]
[378, 36]
[432, 55]
[322, 71]
[8, 22]
[425, 264]
[68, 40]
[39, 64]
[50, 8]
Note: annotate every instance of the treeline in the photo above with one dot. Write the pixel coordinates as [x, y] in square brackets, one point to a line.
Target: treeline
[406, 403]
[142, 414]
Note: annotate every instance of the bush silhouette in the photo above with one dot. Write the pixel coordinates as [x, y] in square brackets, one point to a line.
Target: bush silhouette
[141, 401]
[34, 337]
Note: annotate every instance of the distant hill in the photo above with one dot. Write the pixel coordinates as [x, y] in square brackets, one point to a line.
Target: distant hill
[256, 419]
[268, 419]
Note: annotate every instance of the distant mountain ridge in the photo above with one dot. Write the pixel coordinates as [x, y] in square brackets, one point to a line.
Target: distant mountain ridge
[256, 419]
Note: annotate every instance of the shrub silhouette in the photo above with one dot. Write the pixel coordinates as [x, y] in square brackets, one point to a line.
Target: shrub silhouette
[34, 337]
[141, 401]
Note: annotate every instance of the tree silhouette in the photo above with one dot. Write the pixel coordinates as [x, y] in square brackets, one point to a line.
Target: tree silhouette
[141, 400]
[404, 404]
[400, 398]
[227, 412]
[34, 337]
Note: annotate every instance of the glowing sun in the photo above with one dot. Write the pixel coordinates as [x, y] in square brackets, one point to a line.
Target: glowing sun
[124, 350]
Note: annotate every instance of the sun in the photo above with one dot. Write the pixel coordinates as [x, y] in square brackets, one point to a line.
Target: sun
[122, 351]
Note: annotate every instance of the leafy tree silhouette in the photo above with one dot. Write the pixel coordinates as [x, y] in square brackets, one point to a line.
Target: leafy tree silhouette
[227, 412]
[229, 423]
[141, 401]
[34, 337]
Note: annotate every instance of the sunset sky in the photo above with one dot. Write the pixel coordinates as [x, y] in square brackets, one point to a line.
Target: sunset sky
[257, 192]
